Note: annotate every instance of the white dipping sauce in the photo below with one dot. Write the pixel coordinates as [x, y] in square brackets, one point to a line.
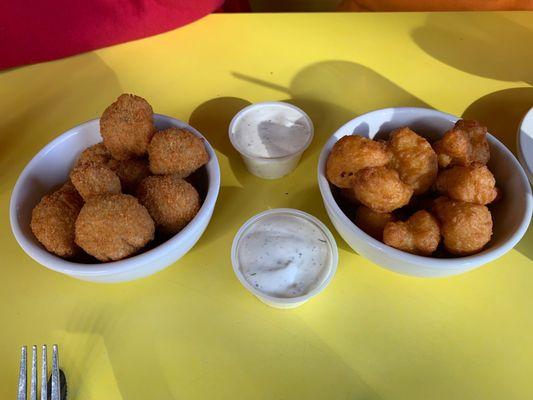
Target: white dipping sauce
[271, 130]
[284, 255]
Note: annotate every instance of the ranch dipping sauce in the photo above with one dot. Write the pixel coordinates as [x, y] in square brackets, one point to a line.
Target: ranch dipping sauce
[284, 255]
[271, 137]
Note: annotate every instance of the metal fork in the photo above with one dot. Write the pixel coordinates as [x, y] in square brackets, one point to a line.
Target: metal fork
[22, 389]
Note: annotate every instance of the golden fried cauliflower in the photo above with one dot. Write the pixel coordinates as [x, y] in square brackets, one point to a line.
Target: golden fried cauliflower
[176, 151]
[464, 144]
[381, 189]
[420, 234]
[414, 159]
[472, 184]
[352, 153]
[52, 220]
[372, 222]
[113, 226]
[127, 127]
[92, 179]
[171, 201]
[465, 227]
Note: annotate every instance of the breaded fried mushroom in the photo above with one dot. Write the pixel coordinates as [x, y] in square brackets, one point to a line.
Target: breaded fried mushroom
[127, 127]
[96, 153]
[464, 144]
[413, 158]
[176, 151]
[111, 227]
[131, 172]
[92, 179]
[372, 222]
[472, 184]
[352, 153]
[53, 219]
[465, 227]
[171, 201]
[381, 189]
[420, 234]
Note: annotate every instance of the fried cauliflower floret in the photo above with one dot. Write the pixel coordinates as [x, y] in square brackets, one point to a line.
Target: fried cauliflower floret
[414, 159]
[111, 227]
[53, 219]
[176, 151]
[127, 127]
[352, 153]
[381, 189]
[464, 144]
[420, 234]
[131, 172]
[465, 227]
[472, 184]
[171, 201]
[91, 179]
[372, 222]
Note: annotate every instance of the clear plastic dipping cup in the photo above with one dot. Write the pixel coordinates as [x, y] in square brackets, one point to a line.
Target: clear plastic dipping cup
[271, 167]
[286, 302]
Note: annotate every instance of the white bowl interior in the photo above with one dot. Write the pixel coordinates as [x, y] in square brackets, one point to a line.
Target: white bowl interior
[511, 215]
[50, 168]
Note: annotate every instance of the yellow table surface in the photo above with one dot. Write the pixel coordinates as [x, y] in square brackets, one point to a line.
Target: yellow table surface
[192, 331]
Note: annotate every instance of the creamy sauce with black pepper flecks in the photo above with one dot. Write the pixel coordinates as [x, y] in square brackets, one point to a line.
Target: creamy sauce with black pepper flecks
[272, 130]
[284, 255]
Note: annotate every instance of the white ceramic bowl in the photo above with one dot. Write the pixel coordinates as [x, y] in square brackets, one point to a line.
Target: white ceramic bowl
[51, 166]
[511, 216]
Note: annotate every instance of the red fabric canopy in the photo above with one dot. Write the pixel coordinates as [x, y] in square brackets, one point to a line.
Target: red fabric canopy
[40, 30]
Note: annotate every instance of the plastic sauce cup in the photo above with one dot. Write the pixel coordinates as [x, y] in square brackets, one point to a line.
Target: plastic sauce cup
[286, 302]
[271, 167]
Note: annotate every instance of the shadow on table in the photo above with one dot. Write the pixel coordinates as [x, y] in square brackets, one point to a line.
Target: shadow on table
[486, 44]
[50, 100]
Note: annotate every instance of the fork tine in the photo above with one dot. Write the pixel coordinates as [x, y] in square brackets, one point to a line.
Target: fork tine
[44, 374]
[33, 381]
[22, 375]
[55, 374]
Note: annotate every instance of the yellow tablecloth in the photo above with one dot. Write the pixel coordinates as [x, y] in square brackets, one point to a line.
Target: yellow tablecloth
[192, 331]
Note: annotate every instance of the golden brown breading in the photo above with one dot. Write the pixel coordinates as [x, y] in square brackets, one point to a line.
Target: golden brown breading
[464, 144]
[414, 159]
[92, 179]
[176, 151]
[127, 127]
[381, 189]
[472, 184]
[131, 172]
[113, 226]
[465, 227]
[372, 222]
[352, 153]
[420, 234]
[171, 201]
[52, 220]
[96, 153]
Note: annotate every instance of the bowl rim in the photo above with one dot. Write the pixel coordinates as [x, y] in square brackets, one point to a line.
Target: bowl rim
[58, 264]
[458, 263]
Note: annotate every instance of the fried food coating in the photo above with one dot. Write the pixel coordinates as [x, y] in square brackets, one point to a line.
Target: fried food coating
[111, 227]
[176, 151]
[171, 201]
[92, 179]
[53, 219]
[464, 144]
[127, 126]
[96, 153]
[420, 234]
[381, 189]
[414, 159]
[472, 184]
[465, 227]
[352, 153]
[372, 222]
[131, 172]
